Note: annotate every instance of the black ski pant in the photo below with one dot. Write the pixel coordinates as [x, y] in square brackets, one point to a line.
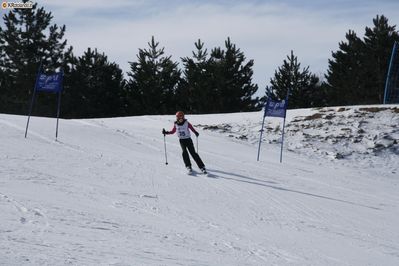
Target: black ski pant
[187, 144]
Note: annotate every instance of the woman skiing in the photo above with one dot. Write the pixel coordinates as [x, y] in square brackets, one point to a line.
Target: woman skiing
[182, 126]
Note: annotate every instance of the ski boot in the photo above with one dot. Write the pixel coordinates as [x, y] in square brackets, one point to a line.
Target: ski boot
[203, 170]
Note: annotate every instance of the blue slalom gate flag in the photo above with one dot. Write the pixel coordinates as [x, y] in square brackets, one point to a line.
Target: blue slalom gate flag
[275, 109]
[49, 83]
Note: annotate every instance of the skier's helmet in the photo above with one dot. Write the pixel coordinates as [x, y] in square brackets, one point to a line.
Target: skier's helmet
[179, 115]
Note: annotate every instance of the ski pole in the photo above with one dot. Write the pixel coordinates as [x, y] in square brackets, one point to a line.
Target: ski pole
[164, 143]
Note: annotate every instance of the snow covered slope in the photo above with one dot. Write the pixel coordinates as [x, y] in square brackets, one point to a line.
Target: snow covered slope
[102, 194]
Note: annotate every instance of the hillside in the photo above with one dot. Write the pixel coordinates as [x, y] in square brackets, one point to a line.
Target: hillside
[102, 194]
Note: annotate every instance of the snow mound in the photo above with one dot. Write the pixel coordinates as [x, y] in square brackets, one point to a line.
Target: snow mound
[360, 133]
[344, 132]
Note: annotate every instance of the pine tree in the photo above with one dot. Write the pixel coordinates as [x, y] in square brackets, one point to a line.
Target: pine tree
[303, 86]
[357, 72]
[194, 91]
[154, 79]
[27, 40]
[231, 80]
[221, 82]
[378, 41]
[95, 88]
[344, 76]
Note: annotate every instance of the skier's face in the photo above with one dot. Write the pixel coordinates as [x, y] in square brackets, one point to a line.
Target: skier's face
[180, 118]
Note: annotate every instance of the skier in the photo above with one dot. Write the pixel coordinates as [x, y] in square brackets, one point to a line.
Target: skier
[182, 126]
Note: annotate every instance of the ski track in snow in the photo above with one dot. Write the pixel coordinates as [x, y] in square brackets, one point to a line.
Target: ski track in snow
[102, 195]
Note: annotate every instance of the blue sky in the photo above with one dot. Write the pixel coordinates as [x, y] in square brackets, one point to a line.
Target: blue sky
[265, 31]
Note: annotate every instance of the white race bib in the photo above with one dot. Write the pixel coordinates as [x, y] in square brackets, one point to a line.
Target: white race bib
[182, 131]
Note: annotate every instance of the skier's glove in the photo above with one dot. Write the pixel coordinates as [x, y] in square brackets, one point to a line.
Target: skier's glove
[164, 131]
[196, 133]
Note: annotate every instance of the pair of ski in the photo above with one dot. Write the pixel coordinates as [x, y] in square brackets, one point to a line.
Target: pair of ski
[192, 172]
